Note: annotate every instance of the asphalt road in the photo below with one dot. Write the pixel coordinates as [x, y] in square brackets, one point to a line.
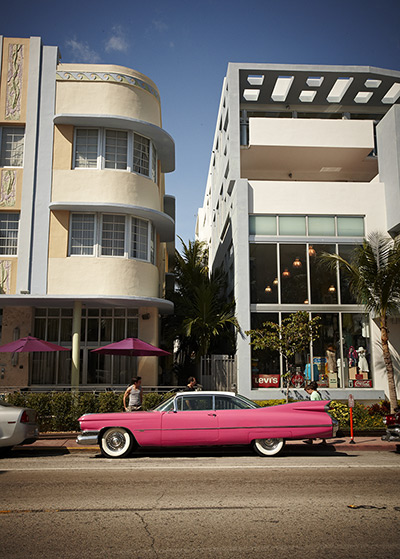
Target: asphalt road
[200, 505]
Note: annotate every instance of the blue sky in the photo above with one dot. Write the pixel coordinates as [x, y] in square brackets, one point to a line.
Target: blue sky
[184, 47]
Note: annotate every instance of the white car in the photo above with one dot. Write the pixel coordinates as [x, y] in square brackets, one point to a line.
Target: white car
[17, 426]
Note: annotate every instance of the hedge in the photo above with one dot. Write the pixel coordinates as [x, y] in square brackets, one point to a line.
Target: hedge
[59, 411]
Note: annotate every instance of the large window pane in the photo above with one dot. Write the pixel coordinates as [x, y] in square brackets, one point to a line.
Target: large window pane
[292, 225]
[113, 235]
[82, 234]
[139, 239]
[297, 363]
[262, 225]
[99, 368]
[326, 350]
[12, 147]
[346, 297]
[323, 280]
[263, 273]
[265, 364]
[350, 226]
[141, 154]
[9, 223]
[321, 225]
[356, 350]
[86, 147]
[116, 149]
[293, 273]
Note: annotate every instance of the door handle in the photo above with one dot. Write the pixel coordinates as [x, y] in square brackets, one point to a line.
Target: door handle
[213, 414]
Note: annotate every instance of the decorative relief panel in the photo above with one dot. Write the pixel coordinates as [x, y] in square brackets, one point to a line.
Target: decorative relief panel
[14, 81]
[107, 77]
[5, 277]
[8, 187]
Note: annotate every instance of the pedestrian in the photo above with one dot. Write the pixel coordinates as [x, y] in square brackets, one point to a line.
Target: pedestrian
[312, 390]
[135, 393]
[192, 384]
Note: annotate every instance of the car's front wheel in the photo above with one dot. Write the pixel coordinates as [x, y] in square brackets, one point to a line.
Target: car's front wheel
[116, 442]
[268, 447]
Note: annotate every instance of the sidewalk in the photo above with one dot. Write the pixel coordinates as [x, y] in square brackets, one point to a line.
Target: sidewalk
[66, 442]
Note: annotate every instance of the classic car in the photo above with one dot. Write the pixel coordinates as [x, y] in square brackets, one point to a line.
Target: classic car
[207, 419]
[17, 426]
[392, 423]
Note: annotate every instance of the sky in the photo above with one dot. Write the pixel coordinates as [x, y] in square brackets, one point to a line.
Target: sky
[185, 47]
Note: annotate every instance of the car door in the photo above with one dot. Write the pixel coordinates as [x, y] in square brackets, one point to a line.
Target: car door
[193, 422]
[235, 420]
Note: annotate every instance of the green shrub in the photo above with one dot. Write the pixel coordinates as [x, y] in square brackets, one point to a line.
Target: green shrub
[110, 402]
[42, 403]
[65, 408]
[363, 419]
[266, 403]
[153, 399]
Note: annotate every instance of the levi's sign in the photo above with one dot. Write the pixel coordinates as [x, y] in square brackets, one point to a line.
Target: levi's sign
[266, 381]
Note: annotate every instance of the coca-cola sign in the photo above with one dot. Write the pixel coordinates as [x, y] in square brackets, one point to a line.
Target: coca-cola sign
[266, 381]
[365, 383]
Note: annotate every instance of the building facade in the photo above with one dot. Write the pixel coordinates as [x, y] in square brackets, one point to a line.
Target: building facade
[86, 229]
[305, 160]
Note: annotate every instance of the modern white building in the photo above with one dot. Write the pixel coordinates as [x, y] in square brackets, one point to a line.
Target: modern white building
[305, 159]
[86, 227]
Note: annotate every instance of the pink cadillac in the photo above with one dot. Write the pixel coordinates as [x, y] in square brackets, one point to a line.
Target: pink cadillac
[207, 419]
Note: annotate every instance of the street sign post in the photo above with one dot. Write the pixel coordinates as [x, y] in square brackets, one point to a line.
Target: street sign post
[351, 406]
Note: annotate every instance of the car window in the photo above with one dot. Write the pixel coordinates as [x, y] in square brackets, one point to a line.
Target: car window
[192, 403]
[230, 403]
[168, 405]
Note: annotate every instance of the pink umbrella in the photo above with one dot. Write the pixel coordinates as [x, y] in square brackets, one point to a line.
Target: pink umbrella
[130, 346]
[30, 344]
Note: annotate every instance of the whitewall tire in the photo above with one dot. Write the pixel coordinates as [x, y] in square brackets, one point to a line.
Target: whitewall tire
[116, 442]
[268, 447]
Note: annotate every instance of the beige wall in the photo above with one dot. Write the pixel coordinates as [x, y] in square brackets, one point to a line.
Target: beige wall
[17, 374]
[78, 275]
[106, 97]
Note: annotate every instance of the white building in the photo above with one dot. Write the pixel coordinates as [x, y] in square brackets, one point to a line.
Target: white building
[305, 159]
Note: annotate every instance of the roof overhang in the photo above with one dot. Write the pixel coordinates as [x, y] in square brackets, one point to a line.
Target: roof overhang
[164, 223]
[89, 301]
[164, 143]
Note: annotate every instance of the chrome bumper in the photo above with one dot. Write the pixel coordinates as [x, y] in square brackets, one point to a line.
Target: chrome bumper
[88, 437]
[392, 435]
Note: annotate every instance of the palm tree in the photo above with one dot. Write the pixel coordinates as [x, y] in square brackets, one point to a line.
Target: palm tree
[374, 280]
[202, 315]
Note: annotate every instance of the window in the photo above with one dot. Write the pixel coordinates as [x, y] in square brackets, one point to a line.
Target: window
[311, 226]
[113, 235]
[116, 151]
[292, 225]
[12, 147]
[86, 147]
[9, 223]
[139, 239]
[262, 225]
[141, 154]
[82, 234]
[100, 148]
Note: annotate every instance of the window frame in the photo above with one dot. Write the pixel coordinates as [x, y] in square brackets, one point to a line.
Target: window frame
[152, 173]
[7, 128]
[8, 239]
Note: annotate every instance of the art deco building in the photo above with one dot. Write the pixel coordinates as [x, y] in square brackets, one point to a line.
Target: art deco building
[85, 225]
[305, 160]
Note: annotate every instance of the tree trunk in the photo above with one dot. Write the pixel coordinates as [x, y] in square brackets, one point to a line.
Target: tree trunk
[388, 364]
[287, 379]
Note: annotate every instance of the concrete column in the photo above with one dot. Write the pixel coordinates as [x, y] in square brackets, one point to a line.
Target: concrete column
[76, 345]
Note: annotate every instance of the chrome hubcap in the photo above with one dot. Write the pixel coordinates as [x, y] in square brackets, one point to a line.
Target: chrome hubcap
[116, 441]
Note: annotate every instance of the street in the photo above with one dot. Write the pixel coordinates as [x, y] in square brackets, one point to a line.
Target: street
[197, 504]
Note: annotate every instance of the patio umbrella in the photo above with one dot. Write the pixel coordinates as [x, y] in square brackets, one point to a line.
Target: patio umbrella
[30, 344]
[130, 347]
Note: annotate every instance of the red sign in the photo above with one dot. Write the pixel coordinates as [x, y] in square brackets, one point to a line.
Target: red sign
[266, 381]
[297, 380]
[366, 383]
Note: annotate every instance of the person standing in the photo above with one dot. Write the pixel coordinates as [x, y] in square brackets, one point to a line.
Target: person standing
[135, 393]
[311, 389]
[192, 384]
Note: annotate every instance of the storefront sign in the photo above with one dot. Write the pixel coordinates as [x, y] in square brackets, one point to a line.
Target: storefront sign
[366, 383]
[266, 381]
[297, 380]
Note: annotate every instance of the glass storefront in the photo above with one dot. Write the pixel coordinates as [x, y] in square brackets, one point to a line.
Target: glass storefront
[98, 327]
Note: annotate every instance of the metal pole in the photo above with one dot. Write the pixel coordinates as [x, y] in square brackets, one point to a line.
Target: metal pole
[76, 346]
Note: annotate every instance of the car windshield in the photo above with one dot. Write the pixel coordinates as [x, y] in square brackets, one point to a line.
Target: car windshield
[210, 401]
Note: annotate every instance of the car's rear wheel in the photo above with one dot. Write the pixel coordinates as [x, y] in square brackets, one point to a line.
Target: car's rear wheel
[116, 442]
[268, 447]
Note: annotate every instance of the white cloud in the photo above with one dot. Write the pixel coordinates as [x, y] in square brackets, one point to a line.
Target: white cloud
[81, 52]
[159, 25]
[117, 40]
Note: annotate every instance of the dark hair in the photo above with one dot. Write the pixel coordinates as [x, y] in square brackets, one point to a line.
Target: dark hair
[191, 379]
[136, 379]
[311, 386]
